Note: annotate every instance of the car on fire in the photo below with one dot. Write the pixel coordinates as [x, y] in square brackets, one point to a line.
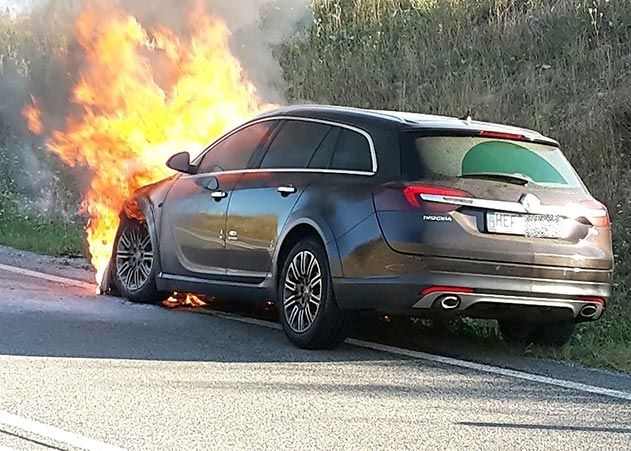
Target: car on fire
[331, 210]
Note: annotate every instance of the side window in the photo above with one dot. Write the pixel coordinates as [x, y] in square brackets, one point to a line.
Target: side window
[352, 152]
[295, 144]
[321, 159]
[234, 152]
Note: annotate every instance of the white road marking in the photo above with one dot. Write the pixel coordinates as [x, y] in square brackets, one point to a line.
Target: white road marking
[53, 433]
[49, 277]
[480, 367]
[492, 369]
[593, 389]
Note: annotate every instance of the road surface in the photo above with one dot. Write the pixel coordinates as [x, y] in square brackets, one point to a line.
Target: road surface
[80, 370]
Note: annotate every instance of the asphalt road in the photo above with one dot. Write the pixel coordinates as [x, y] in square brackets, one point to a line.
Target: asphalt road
[141, 377]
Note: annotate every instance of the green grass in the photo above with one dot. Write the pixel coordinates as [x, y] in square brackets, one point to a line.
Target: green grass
[606, 343]
[36, 232]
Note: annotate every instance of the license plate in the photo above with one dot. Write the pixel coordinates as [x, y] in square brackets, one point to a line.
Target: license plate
[536, 226]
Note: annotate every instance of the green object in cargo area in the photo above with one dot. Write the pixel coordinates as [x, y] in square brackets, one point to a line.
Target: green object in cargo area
[501, 157]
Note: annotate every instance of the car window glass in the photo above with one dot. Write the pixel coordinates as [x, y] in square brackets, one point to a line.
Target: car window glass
[321, 159]
[295, 144]
[352, 152]
[234, 152]
[469, 157]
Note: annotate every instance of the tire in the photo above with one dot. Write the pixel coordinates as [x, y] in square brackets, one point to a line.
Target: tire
[307, 308]
[133, 265]
[546, 334]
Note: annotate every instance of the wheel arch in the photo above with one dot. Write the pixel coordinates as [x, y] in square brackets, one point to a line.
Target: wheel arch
[300, 229]
[140, 209]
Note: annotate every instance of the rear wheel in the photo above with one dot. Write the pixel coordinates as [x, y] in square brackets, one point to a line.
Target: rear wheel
[309, 314]
[546, 334]
[133, 264]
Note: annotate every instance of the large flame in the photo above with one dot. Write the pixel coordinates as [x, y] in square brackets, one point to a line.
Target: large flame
[144, 94]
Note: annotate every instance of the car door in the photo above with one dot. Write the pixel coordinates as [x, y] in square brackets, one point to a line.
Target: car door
[263, 199]
[194, 216]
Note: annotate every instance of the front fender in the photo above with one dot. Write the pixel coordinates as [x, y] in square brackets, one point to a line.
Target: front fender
[141, 209]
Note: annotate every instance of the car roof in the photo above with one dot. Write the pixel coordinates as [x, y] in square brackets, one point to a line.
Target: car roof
[402, 120]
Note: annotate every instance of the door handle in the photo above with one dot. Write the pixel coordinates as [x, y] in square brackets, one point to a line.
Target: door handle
[218, 195]
[286, 190]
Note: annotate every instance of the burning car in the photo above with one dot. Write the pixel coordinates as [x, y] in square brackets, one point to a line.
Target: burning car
[329, 210]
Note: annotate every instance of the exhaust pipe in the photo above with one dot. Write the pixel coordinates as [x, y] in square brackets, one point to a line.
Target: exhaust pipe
[450, 302]
[589, 311]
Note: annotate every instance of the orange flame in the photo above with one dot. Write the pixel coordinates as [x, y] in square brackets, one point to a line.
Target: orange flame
[33, 116]
[180, 300]
[144, 94]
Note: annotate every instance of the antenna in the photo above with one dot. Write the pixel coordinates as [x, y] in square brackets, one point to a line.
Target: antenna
[468, 117]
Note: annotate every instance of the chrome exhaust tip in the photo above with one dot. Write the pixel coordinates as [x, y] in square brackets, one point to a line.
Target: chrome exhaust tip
[589, 311]
[450, 302]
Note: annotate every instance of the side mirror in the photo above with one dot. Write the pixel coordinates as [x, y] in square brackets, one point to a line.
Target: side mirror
[181, 162]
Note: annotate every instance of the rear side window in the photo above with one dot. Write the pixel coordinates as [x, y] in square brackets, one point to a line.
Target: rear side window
[437, 157]
[235, 152]
[352, 152]
[295, 144]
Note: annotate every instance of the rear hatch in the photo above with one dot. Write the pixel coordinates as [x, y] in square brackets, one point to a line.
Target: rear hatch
[493, 197]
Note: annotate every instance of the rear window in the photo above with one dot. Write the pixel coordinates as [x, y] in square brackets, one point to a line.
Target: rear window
[439, 157]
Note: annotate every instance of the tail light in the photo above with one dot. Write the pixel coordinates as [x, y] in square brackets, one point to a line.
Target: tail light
[414, 193]
[596, 213]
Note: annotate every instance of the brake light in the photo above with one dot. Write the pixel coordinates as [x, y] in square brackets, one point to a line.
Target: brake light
[413, 193]
[444, 289]
[597, 213]
[502, 135]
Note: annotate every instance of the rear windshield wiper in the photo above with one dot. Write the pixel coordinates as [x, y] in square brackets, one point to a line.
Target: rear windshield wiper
[516, 179]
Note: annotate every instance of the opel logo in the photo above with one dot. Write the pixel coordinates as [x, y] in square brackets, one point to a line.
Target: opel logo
[530, 202]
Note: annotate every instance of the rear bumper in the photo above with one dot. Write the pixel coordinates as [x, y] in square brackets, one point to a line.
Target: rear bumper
[511, 305]
[498, 290]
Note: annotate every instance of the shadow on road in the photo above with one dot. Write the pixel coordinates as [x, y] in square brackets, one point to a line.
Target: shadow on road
[43, 320]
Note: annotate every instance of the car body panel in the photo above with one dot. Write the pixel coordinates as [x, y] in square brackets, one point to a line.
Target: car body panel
[193, 226]
[257, 214]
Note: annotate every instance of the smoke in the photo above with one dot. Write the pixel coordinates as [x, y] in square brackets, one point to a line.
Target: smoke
[46, 60]
[258, 27]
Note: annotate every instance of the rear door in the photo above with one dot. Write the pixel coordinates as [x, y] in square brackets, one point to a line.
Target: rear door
[263, 199]
[193, 234]
[492, 198]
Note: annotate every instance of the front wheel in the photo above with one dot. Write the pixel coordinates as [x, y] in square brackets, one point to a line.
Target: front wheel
[309, 314]
[133, 264]
[547, 334]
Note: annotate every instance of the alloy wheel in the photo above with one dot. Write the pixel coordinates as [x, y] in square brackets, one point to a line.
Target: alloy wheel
[302, 292]
[134, 257]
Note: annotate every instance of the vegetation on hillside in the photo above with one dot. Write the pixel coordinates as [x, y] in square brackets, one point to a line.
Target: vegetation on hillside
[562, 67]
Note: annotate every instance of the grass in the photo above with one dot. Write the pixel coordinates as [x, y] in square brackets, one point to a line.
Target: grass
[559, 66]
[603, 344]
[36, 232]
